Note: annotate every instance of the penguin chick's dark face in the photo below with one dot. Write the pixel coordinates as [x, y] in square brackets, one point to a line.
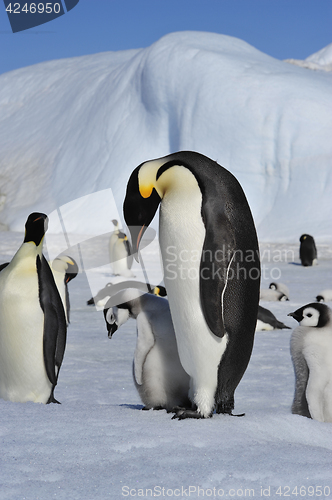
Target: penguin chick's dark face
[140, 205]
[35, 227]
[110, 320]
[314, 315]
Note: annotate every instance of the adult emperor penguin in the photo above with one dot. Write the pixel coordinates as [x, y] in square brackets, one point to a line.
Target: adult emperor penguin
[32, 322]
[266, 320]
[157, 372]
[311, 351]
[110, 289]
[211, 268]
[64, 269]
[308, 251]
[120, 252]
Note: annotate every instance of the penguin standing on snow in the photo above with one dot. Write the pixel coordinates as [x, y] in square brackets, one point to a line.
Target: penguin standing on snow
[206, 234]
[120, 252]
[158, 374]
[308, 251]
[64, 269]
[311, 351]
[32, 322]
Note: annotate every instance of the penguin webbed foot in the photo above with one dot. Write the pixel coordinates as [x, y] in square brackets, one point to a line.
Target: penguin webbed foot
[183, 413]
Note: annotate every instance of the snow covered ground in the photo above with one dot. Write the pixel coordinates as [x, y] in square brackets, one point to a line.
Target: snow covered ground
[99, 444]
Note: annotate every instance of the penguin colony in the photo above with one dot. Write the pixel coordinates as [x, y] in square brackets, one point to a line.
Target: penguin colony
[187, 353]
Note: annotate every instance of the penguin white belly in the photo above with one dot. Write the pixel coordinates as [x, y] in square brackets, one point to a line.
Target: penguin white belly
[182, 235]
[22, 370]
[317, 351]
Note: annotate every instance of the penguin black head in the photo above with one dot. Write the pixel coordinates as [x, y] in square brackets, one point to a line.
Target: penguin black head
[306, 237]
[35, 228]
[314, 315]
[139, 208]
[320, 298]
[273, 286]
[160, 291]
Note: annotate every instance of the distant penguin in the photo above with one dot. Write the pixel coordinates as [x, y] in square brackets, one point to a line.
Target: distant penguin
[158, 374]
[111, 289]
[32, 322]
[266, 320]
[120, 254]
[272, 295]
[308, 251]
[311, 351]
[206, 231]
[64, 269]
[280, 287]
[324, 296]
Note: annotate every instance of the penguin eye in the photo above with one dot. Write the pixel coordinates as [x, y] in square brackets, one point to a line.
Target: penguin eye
[309, 315]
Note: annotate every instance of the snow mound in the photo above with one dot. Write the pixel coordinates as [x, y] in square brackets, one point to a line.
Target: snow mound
[70, 128]
[321, 60]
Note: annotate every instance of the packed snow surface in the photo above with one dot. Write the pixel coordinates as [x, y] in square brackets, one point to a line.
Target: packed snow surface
[100, 444]
[70, 128]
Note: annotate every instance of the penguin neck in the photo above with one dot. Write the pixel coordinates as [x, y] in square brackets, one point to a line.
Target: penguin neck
[27, 254]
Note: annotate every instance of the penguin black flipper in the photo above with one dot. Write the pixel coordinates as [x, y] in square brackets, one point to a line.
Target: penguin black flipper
[214, 273]
[55, 328]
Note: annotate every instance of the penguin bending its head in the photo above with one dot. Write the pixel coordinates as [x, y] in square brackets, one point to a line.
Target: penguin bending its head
[206, 231]
[308, 251]
[157, 372]
[32, 322]
[311, 351]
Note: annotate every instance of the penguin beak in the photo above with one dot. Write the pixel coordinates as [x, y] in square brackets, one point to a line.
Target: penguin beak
[296, 316]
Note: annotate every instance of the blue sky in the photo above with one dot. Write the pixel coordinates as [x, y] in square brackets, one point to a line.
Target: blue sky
[280, 28]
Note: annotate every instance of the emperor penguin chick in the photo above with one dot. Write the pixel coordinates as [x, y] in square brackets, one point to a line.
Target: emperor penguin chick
[157, 371]
[311, 351]
[206, 231]
[32, 322]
